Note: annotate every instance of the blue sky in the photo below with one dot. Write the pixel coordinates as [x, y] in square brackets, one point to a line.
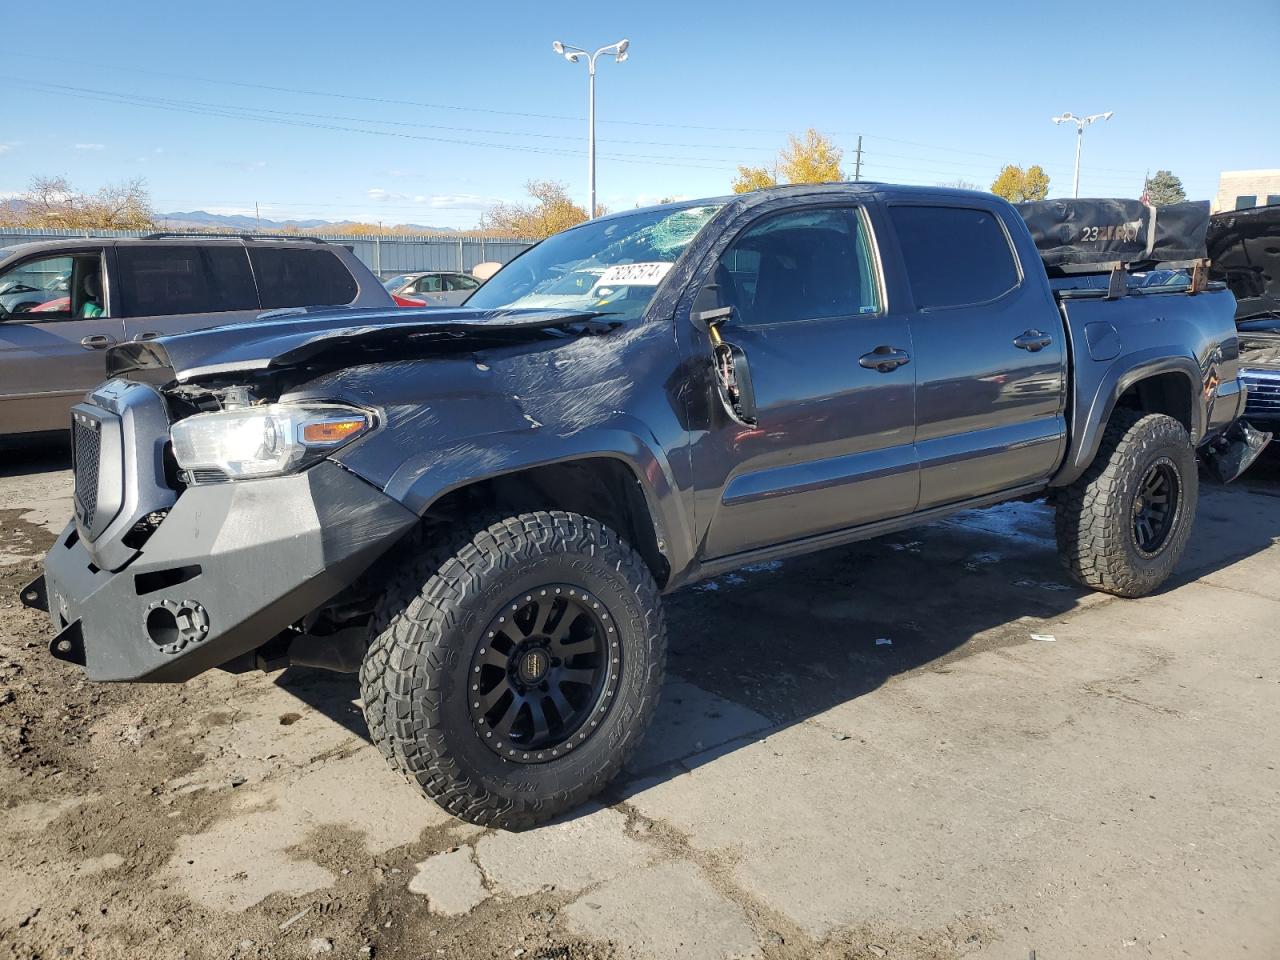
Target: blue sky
[419, 112]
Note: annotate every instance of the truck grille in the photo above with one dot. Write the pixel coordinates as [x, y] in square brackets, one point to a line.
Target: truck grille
[1264, 394]
[86, 437]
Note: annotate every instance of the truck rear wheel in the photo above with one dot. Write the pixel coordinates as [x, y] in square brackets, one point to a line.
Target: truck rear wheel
[1122, 527]
[516, 668]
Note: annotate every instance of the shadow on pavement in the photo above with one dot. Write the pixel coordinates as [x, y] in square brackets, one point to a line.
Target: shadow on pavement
[43, 453]
[772, 645]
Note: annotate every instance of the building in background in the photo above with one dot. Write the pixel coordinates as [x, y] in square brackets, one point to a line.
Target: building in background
[1241, 189]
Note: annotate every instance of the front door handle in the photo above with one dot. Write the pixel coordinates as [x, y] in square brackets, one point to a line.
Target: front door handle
[1032, 340]
[97, 342]
[884, 358]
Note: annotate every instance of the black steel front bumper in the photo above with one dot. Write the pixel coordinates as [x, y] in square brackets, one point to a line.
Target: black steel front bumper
[228, 568]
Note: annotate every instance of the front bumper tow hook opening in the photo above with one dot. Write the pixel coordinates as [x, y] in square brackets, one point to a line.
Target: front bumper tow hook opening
[68, 645]
[35, 595]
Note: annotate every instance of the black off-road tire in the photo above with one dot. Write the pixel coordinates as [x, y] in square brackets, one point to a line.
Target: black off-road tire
[1094, 521]
[430, 625]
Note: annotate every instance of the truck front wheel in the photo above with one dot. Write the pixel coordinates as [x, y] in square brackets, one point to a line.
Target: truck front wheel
[515, 668]
[1122, 527]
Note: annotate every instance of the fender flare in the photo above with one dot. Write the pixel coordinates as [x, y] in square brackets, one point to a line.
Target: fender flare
[424, 478]
[1092, 409]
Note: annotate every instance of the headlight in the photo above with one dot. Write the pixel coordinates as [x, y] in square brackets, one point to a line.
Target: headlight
[266, 440]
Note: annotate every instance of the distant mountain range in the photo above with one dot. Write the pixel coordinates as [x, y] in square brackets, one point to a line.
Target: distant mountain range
[202, 220]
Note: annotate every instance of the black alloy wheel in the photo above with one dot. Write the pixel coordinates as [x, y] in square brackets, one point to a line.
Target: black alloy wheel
[1155, 506]
[545, 674]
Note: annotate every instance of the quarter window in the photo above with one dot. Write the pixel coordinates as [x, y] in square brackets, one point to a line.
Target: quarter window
[955, 256]
[801, 265]
[301, 278]
[171, 280]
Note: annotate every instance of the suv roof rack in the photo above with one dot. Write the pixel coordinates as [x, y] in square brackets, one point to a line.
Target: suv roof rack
[173, 235]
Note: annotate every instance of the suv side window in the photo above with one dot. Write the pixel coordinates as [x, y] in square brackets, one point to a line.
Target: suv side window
[301, 278]
[460, 281]
[955, 256]
[800, 265]
[40, 289]
[171, 280]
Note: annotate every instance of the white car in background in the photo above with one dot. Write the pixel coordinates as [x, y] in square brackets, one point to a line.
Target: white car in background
[436, 288]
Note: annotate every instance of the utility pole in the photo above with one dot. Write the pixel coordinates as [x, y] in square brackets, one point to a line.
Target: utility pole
[857, 162]
[1081, 123]
[257, 216]
[573, 55]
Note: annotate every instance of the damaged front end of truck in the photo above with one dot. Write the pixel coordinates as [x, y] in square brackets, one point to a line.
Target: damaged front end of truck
[174, 563]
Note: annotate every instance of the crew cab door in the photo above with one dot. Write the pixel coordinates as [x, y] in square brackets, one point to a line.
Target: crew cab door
[990, 352]
[833, 384]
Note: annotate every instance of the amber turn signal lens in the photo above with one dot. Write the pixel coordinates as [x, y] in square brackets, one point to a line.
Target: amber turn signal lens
[332, 431]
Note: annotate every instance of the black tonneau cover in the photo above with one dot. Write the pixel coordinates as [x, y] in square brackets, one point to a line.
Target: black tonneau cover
[1093, 235]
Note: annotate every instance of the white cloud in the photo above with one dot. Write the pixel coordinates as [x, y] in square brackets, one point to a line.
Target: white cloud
[458, 201]
[91, 146]
[5, 147]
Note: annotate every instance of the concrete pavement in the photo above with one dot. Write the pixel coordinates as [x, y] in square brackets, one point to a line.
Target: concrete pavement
[862, 753]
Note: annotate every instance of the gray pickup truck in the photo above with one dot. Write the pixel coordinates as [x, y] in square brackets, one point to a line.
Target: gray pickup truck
[479, 508]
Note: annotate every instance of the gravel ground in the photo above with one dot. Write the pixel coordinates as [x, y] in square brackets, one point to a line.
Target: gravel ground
[862, 753]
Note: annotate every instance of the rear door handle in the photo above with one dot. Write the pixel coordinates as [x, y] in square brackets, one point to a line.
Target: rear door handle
[146, 335]
[97, 342]
[884, 358]
[1032, 340]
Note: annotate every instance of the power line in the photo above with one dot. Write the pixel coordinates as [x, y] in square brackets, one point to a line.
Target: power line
[238, 113]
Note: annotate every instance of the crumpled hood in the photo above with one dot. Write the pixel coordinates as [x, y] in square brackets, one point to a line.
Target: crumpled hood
[287, 338]
[1244, 247]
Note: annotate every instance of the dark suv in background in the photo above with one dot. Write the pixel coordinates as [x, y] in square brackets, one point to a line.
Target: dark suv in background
[63, 302]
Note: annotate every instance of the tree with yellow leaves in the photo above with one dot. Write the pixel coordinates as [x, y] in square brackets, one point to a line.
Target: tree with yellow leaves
[753, 178]
[552, 212]
[1016, 184]
[812, 158]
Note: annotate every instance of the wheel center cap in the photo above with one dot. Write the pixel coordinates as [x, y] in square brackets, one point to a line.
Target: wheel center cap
[533, 666]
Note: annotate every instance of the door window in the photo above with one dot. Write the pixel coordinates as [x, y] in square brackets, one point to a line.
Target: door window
[429, 284]
[53, 288]
[459, 281]
[301, 278]
[955, 256]
[801, 265]
[171, 280]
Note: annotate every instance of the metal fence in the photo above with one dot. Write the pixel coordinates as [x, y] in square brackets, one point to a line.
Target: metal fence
[385, 256]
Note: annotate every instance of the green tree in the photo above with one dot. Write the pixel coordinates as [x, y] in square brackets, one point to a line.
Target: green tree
[1164, 188]
[551, 212]
[1016, 184]
[753, 178]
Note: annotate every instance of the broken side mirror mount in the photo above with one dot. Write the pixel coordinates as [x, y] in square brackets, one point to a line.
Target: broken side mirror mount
[731, 368]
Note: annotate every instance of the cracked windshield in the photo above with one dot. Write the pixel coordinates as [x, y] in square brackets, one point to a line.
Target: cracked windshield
[610, 266]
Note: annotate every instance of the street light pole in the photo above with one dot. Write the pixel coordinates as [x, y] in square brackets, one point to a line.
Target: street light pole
[573, 55]
[1081, 123]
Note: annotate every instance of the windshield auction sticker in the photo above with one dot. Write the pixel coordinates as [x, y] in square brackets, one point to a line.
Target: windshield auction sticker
[648, 274]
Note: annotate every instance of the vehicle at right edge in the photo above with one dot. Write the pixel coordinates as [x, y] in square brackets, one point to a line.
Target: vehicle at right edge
[1244, 249]
[479, 508]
